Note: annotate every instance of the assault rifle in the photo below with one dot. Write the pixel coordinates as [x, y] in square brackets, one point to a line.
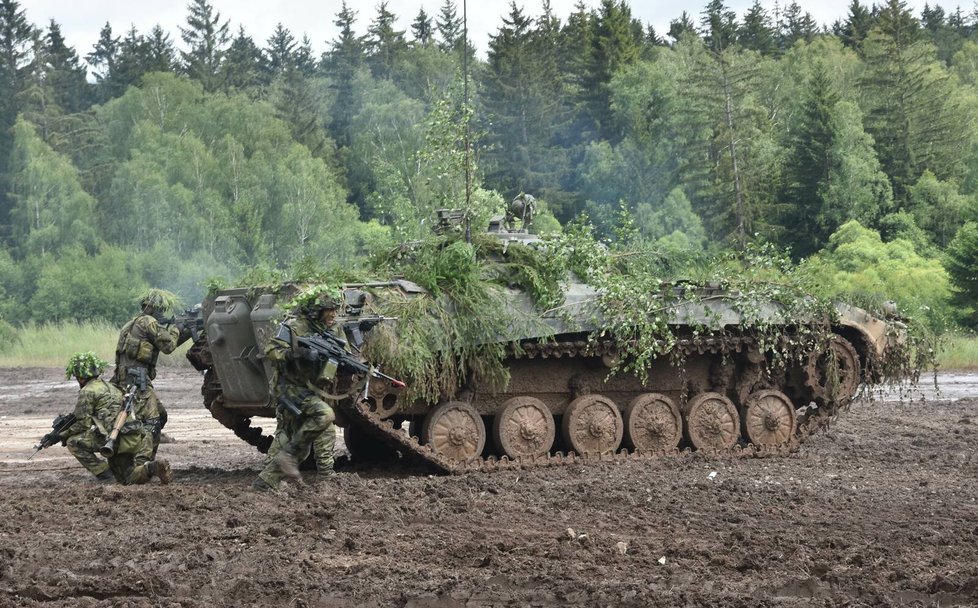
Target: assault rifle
[328, 347]
[137, 383]
[190, 323]
[60, 424]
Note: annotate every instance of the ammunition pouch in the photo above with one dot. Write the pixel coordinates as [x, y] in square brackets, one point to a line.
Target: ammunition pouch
[139, 350]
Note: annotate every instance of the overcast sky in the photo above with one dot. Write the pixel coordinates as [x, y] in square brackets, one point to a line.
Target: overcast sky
[81, 20]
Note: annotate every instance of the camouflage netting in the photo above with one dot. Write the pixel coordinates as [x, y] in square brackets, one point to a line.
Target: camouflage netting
[165, 302]
[85, 365]
[465, 329]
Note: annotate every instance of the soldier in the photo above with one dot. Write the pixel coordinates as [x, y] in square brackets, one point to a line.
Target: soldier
[95, 411]
[140, 343]
[296, 373]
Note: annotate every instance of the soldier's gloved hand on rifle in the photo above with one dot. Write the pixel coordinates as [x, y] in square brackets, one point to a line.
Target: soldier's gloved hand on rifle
[50, 439]
[303, 353]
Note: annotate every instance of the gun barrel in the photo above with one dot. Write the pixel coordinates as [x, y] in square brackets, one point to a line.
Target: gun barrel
[108, 450]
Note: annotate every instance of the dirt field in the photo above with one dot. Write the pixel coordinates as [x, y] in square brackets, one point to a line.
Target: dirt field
[880, 510]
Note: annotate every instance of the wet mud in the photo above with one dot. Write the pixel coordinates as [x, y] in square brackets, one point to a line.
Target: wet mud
[882, 509]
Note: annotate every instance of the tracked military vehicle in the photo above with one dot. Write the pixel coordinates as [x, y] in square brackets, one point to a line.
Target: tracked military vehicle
[717, 383]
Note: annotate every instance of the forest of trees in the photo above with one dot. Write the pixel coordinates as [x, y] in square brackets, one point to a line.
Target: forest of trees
[168, 158]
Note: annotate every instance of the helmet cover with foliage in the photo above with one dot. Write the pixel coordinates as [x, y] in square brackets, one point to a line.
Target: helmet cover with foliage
[315, 299]
[161, 300]
[85, 365]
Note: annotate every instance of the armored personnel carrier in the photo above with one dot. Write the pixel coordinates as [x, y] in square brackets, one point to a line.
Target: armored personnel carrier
[568, 385]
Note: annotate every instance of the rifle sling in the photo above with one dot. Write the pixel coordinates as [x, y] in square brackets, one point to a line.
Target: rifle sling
[331, 397]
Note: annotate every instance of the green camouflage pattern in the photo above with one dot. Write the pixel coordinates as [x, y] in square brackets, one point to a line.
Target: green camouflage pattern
[323, 444]
[314, 430]
[97, 405]
[140, 343]
[96, 409]
[130, 463]
[85, 365]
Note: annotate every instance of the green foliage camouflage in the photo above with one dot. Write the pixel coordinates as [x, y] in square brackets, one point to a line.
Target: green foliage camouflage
[314, 297]
[163, 301]
[468, 326]
[85, 365]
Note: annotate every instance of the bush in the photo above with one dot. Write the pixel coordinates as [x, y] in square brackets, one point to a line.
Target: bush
[859, 267]
[79, 287]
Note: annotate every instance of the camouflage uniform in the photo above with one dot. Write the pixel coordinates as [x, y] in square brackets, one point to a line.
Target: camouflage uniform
[140, 343]
[96, 409]
[293, 379]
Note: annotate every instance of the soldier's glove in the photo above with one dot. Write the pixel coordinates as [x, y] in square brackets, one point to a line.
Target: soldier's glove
[50, 439]
[303, 354]
[308, 354]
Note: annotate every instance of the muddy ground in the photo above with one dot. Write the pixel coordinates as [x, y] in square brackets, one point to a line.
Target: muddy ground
[879, 510]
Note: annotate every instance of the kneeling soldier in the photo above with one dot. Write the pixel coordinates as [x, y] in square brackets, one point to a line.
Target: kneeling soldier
[97, 408]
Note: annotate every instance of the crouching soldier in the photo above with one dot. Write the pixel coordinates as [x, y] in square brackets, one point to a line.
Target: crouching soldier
[96, 411]
[309, 425]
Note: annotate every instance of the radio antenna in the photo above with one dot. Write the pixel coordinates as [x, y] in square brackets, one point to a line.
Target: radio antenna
[466, 118]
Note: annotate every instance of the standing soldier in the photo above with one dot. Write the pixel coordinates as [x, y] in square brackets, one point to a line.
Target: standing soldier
[95, 412]
[140, 343]
[294, 380]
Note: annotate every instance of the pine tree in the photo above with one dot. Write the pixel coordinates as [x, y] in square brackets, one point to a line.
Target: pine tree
[384, 44]
[17, 37]
[809, 166]
[160, 54]
[796, 25]
[614, 46]
[304, 60]
[243, 68]
[449, 27]
[683, 26]
[938, 30]
[422, 29]
[856, 26]
[131, 61]
[341, 63]
[523, 100]
[65, 73]
[102, 59]
[280, 51]
[755, 32]
[913, 113]
[207, 38]
[719, 26]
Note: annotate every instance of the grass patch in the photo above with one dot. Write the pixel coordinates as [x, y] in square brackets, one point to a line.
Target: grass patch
[50, 345]
[959, 352]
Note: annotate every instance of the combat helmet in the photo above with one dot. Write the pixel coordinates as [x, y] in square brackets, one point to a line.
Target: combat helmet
[316, 299]
[161, 300]
[85, 365]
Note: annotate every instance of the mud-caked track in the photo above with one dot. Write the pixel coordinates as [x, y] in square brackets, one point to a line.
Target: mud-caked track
[881, 508]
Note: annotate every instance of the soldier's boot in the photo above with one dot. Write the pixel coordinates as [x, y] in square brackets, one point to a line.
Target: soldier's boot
[105, 476]
[160, 468]
[260, 485]
[288, 463]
